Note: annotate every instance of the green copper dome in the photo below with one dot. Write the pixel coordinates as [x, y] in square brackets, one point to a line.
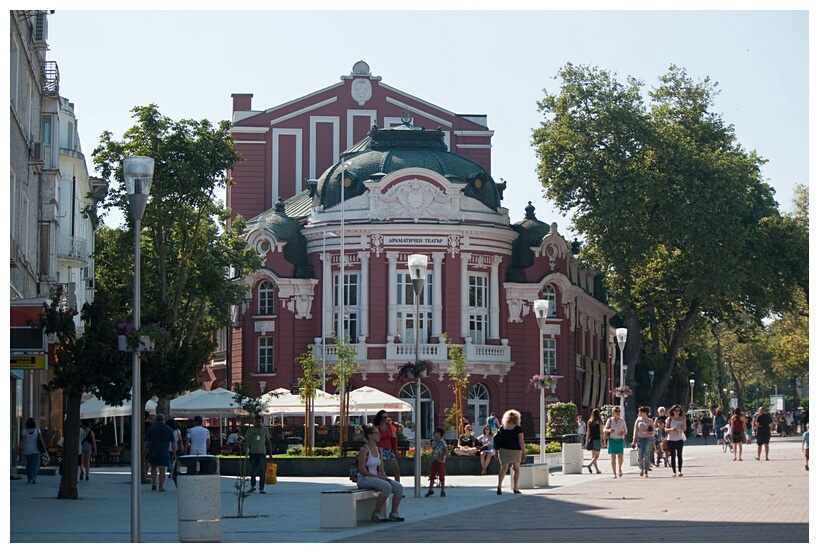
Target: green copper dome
[387, 150]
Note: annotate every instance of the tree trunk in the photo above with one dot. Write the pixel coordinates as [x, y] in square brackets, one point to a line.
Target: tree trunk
[71, 446]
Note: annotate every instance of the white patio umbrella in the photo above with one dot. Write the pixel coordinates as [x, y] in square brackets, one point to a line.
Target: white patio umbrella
[216, 403]
[95, 408]
[324, 404]
[366, 400]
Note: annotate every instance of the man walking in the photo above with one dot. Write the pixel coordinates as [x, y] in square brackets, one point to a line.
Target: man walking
[257, 439]
[762, 425]
[159, 446]
[197, 441]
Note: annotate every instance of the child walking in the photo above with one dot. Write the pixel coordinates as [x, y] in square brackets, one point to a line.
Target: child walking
[438, 465]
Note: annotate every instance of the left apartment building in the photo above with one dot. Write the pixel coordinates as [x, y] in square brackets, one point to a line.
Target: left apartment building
[51, 238]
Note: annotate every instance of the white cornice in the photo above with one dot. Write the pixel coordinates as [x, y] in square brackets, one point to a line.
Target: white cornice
[474, 146]
[249, 129]
[303, 110]
[415, 110]
[297, 100]
[474, 133]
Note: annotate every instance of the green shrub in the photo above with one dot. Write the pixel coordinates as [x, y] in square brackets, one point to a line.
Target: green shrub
[562, 419]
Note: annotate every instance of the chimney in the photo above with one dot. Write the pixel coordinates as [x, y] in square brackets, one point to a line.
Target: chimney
[241, 101]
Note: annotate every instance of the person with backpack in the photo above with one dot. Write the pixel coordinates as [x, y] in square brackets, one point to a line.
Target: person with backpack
[89, 448]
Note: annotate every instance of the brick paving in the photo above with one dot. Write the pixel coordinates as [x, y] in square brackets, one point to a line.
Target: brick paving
[717, 501]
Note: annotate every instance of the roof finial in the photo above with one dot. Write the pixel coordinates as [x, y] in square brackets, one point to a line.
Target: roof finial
[406, 116]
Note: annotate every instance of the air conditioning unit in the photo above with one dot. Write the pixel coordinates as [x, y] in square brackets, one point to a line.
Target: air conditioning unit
[41, 29]
[36, 154]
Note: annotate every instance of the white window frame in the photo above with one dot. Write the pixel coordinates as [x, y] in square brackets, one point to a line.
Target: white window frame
[549, 355]
[405, 309]
[551, 297]
[478, 307]
[352, 322]
[265, 355]
[266, 298]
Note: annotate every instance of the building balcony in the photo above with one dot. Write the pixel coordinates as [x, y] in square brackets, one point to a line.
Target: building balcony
[51, 79]
[399, 353]
[72, 248]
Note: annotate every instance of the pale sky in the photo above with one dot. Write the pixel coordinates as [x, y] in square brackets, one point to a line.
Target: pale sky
[489, 62]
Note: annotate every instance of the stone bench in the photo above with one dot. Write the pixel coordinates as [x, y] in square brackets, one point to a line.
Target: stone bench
[346, 508]
[533, 476]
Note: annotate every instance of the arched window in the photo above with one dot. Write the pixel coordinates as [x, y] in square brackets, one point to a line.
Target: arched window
[407, 393]
[477, 407]
[549, 296]
[267, 298]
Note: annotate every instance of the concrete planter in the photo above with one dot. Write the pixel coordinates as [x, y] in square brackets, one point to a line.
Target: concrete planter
[338, 466]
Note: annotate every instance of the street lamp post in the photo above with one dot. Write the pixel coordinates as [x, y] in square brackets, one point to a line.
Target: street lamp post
[651, 387]
[324, 313]
[541, 313]
[622, 335]
[138, 171]
[691, 405]
[345, 165]
[417, 265]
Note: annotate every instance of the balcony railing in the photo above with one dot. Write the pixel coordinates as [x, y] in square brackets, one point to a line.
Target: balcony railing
[51, 78]
[70, 247]
[399, 353]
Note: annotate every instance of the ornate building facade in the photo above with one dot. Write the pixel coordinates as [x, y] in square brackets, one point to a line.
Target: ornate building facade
[339, 187]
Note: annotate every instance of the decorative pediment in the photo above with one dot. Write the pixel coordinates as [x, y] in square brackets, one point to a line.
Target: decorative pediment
[414, 199]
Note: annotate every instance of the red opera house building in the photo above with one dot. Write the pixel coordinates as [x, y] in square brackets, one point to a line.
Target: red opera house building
[360, 175]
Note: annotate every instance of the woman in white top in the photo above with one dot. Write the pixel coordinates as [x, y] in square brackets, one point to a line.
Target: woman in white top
[676, 426]
[371, 476]
[486, 447]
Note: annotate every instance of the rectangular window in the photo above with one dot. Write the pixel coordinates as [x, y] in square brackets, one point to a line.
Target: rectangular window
[351, 307]
[46, 135]
[478, 307]
[549, 356]
[266, 354]
[405, 310]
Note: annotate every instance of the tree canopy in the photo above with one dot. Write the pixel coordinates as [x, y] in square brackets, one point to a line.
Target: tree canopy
[673, 209]
[187, 248]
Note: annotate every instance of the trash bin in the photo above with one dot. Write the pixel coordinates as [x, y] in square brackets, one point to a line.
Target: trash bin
[199, 500]
[572, 454]
[293, 441]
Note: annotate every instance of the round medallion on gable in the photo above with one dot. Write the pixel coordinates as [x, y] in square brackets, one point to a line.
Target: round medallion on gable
[361, 91]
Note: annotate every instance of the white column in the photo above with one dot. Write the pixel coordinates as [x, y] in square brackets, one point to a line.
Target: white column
[364, 294]
[327, 294]
[392, 300]
[437, 301]
[494, 299]
[465, 293]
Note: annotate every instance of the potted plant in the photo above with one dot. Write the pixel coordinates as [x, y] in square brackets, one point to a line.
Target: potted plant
[623, 391]
[540, 381]
[422, 368]
[139, 339]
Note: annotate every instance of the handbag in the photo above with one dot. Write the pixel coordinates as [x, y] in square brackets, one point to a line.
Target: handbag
[45, 459]
[352, 472]
[40, 444]
[497, 441]
[270, 474]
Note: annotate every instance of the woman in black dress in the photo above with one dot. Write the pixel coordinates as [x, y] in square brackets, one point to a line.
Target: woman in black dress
[512, 448]
[594, 438]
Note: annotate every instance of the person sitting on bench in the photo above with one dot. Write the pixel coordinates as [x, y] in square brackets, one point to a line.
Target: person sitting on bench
[467, 444]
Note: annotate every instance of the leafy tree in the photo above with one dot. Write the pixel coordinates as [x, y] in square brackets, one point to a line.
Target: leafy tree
[459, 376]
[341, 374]
[674, 210]
[89, 363]
[187, 248]
[309, 382]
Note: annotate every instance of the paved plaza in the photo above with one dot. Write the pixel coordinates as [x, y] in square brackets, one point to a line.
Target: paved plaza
[717, 501]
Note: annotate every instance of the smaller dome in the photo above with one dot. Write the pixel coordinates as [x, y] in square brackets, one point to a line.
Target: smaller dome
[286, 229]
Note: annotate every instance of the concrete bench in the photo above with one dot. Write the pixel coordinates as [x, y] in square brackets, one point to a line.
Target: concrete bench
[533, 476]
[346, 508]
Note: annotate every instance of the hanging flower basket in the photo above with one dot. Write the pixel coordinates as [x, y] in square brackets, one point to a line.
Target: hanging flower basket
[623, 391]
[421, 369]
[546, 381]
[142, 339]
